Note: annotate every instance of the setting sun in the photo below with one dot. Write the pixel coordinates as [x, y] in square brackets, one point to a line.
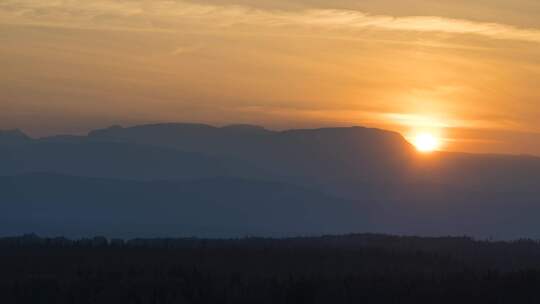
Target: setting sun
[426, 142]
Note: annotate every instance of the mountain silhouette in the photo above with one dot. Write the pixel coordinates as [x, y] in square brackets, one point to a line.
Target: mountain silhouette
[13, 137]
[376, 171]
[55, 204]
[73, 156]
[350, 162]
[317, 155]
[77, 206]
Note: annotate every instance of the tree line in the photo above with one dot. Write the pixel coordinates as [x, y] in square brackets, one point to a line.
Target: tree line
[360, 268]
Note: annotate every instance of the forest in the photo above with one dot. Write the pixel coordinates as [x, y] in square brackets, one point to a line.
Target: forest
[355, 268]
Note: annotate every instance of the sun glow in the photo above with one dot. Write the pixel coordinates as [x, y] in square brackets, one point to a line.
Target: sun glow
[426, 142]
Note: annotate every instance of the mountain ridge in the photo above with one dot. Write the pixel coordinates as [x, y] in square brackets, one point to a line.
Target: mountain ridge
[218, 206]
[103, 131]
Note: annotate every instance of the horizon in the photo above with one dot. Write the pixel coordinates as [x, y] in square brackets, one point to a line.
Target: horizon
[218, 126]
[466, 73]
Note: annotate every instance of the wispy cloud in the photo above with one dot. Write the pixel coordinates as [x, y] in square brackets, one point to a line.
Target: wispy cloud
[161, 15]
[419, 24]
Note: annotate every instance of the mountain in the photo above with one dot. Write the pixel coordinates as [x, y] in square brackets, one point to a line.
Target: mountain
[315, 156]
[402, 191]
[322, 157]
[482, 171]
[13, 137]
[351, 162]
[54, 204]
[82, 157]
[79, 206]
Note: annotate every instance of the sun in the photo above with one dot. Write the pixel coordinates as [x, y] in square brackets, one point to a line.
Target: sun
[426, 142]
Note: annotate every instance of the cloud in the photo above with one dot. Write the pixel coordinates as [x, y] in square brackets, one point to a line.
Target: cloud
[161, 15]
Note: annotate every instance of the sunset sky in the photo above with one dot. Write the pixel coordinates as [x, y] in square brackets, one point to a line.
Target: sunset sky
[468, 71]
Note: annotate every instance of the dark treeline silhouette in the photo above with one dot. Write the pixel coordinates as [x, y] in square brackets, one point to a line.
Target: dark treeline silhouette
[363, 268]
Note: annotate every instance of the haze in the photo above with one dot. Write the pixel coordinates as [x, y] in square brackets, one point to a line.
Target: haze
[467, 71]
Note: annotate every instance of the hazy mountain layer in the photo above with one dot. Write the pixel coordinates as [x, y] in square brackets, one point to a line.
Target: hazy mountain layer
[76, 206]
[401, 190]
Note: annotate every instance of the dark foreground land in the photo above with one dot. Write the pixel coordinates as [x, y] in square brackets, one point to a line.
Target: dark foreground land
[334, 269]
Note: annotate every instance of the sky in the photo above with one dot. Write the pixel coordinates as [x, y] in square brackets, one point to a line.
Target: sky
[467, 71]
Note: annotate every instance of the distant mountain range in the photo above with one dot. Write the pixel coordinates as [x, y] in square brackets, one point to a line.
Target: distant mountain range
[192, 179]
[219, 207]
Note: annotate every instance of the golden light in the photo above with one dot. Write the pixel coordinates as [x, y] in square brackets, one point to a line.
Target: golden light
[426, 142]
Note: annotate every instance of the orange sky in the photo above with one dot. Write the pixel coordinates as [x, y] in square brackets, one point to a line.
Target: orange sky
[467, 71]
